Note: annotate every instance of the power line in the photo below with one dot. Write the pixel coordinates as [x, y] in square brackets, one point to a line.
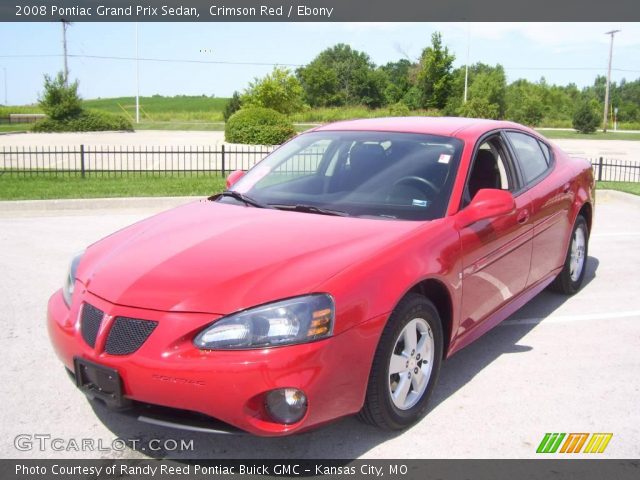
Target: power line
[178, 60]
[149, 59]
[267, 64]
[572, 68]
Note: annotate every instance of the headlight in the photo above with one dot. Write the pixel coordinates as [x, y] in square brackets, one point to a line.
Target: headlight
[70, 280]
[296, 320]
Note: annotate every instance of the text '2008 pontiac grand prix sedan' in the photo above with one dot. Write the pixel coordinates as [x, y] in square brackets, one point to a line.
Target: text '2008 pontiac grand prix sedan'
[331, 279]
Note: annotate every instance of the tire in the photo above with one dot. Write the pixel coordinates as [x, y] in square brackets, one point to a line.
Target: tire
[393, 401]
[570, 279]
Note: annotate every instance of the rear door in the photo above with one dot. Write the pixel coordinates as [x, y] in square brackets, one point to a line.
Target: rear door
[496, 251]
[550, 203]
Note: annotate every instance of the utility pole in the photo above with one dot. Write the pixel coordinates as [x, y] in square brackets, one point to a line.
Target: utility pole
[466, 67]
[606, 92]
[6, 102]
[137, 79]
[65, 24]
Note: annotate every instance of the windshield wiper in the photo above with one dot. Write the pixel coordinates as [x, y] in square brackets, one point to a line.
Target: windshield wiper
[310, 209]
[241, 197]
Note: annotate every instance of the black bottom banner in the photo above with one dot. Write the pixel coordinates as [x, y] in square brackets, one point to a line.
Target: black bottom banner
[389, 469]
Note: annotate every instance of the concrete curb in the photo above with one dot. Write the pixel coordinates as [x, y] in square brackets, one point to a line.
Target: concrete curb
[94, 203]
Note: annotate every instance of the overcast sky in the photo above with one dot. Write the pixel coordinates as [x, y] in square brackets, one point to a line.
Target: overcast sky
[561, 52]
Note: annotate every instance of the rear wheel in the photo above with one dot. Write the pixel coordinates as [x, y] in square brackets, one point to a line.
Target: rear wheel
[406, 365]
[570, 279]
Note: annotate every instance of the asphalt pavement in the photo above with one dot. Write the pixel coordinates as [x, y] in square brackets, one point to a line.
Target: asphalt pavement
[557, 365]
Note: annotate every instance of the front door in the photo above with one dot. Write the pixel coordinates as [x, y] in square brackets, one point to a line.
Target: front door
[496, 251]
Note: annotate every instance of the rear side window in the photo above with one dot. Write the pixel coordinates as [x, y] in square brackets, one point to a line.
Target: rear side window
[532, 160]
[545, 150]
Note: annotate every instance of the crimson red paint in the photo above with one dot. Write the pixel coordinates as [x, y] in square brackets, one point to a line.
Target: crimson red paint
[190, 266]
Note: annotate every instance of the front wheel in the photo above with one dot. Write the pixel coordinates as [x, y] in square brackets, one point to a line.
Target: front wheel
[570, 279]
[406, 365]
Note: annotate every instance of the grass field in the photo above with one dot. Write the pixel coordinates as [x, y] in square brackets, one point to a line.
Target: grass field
[15, 127]
[44, 187]
[569, 134]
[628, 187]
[180, 108]
[51, 187]
[184, 112]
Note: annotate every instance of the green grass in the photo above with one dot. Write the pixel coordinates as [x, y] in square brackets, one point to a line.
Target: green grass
[180, 108]
[15, 127]
[572, 134]
[332, 114]
[628, 187]
[44, 187]
[184, 112]
[6, 110]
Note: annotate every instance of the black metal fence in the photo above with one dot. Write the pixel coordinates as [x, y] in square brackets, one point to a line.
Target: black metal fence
[87, 160]
[612, 170]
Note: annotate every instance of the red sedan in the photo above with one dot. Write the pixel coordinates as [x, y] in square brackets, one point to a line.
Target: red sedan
[331, 279]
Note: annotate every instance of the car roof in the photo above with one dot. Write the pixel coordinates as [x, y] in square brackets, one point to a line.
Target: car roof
[446, 126]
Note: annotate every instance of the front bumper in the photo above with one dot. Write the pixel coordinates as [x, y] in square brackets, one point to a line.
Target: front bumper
[229, 386]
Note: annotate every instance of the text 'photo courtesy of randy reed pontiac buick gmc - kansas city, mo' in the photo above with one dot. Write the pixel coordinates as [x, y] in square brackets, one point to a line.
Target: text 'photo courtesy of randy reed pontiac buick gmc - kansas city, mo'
[332, 278]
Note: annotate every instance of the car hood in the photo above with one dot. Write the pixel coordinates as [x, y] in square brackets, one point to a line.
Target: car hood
[216, 258]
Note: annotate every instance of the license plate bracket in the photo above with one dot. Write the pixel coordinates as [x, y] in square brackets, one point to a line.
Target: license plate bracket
[99, 382]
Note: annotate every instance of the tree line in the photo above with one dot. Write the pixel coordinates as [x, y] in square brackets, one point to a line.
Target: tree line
[341, 76]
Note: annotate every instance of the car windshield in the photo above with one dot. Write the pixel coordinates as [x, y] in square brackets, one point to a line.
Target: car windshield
[361, 174]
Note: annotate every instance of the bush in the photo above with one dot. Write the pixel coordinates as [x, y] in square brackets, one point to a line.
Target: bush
[60, 101]
[280, 90]
[412, 98]
[479, 108]
[585, 118]
[399, 110]
[232, 106]
[86, 121]
[258, 126]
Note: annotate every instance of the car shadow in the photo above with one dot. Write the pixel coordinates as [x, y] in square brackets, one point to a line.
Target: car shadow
[346, 438]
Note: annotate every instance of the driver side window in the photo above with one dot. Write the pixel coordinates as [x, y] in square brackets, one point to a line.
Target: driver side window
[489, 169]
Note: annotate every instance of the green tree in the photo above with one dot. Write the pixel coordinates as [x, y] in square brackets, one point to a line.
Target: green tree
[340, 76]
[479, 108]
[524, 103]
[398, 80]
[490, 85]
[280, 91]
[60, 101]
[586, 118]
[413, 98]
[434, 74]
[485, 82]
[232, 106]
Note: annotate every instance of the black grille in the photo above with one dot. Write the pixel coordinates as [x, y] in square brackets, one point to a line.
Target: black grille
[128, 334]
[90, 321]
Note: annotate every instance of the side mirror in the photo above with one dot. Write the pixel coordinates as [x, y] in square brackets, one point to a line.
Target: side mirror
[487, 203]
[233, 177]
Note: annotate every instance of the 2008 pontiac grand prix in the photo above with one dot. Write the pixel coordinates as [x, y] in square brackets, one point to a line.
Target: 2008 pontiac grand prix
[331, 279]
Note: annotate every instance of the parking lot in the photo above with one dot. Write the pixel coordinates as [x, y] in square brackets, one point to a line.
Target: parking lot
[614, 149]
[558, 365]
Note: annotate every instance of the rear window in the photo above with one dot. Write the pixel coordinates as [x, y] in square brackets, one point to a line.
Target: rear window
[532, 160]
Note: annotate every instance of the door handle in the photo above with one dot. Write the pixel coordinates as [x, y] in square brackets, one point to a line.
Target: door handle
[523, 216]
